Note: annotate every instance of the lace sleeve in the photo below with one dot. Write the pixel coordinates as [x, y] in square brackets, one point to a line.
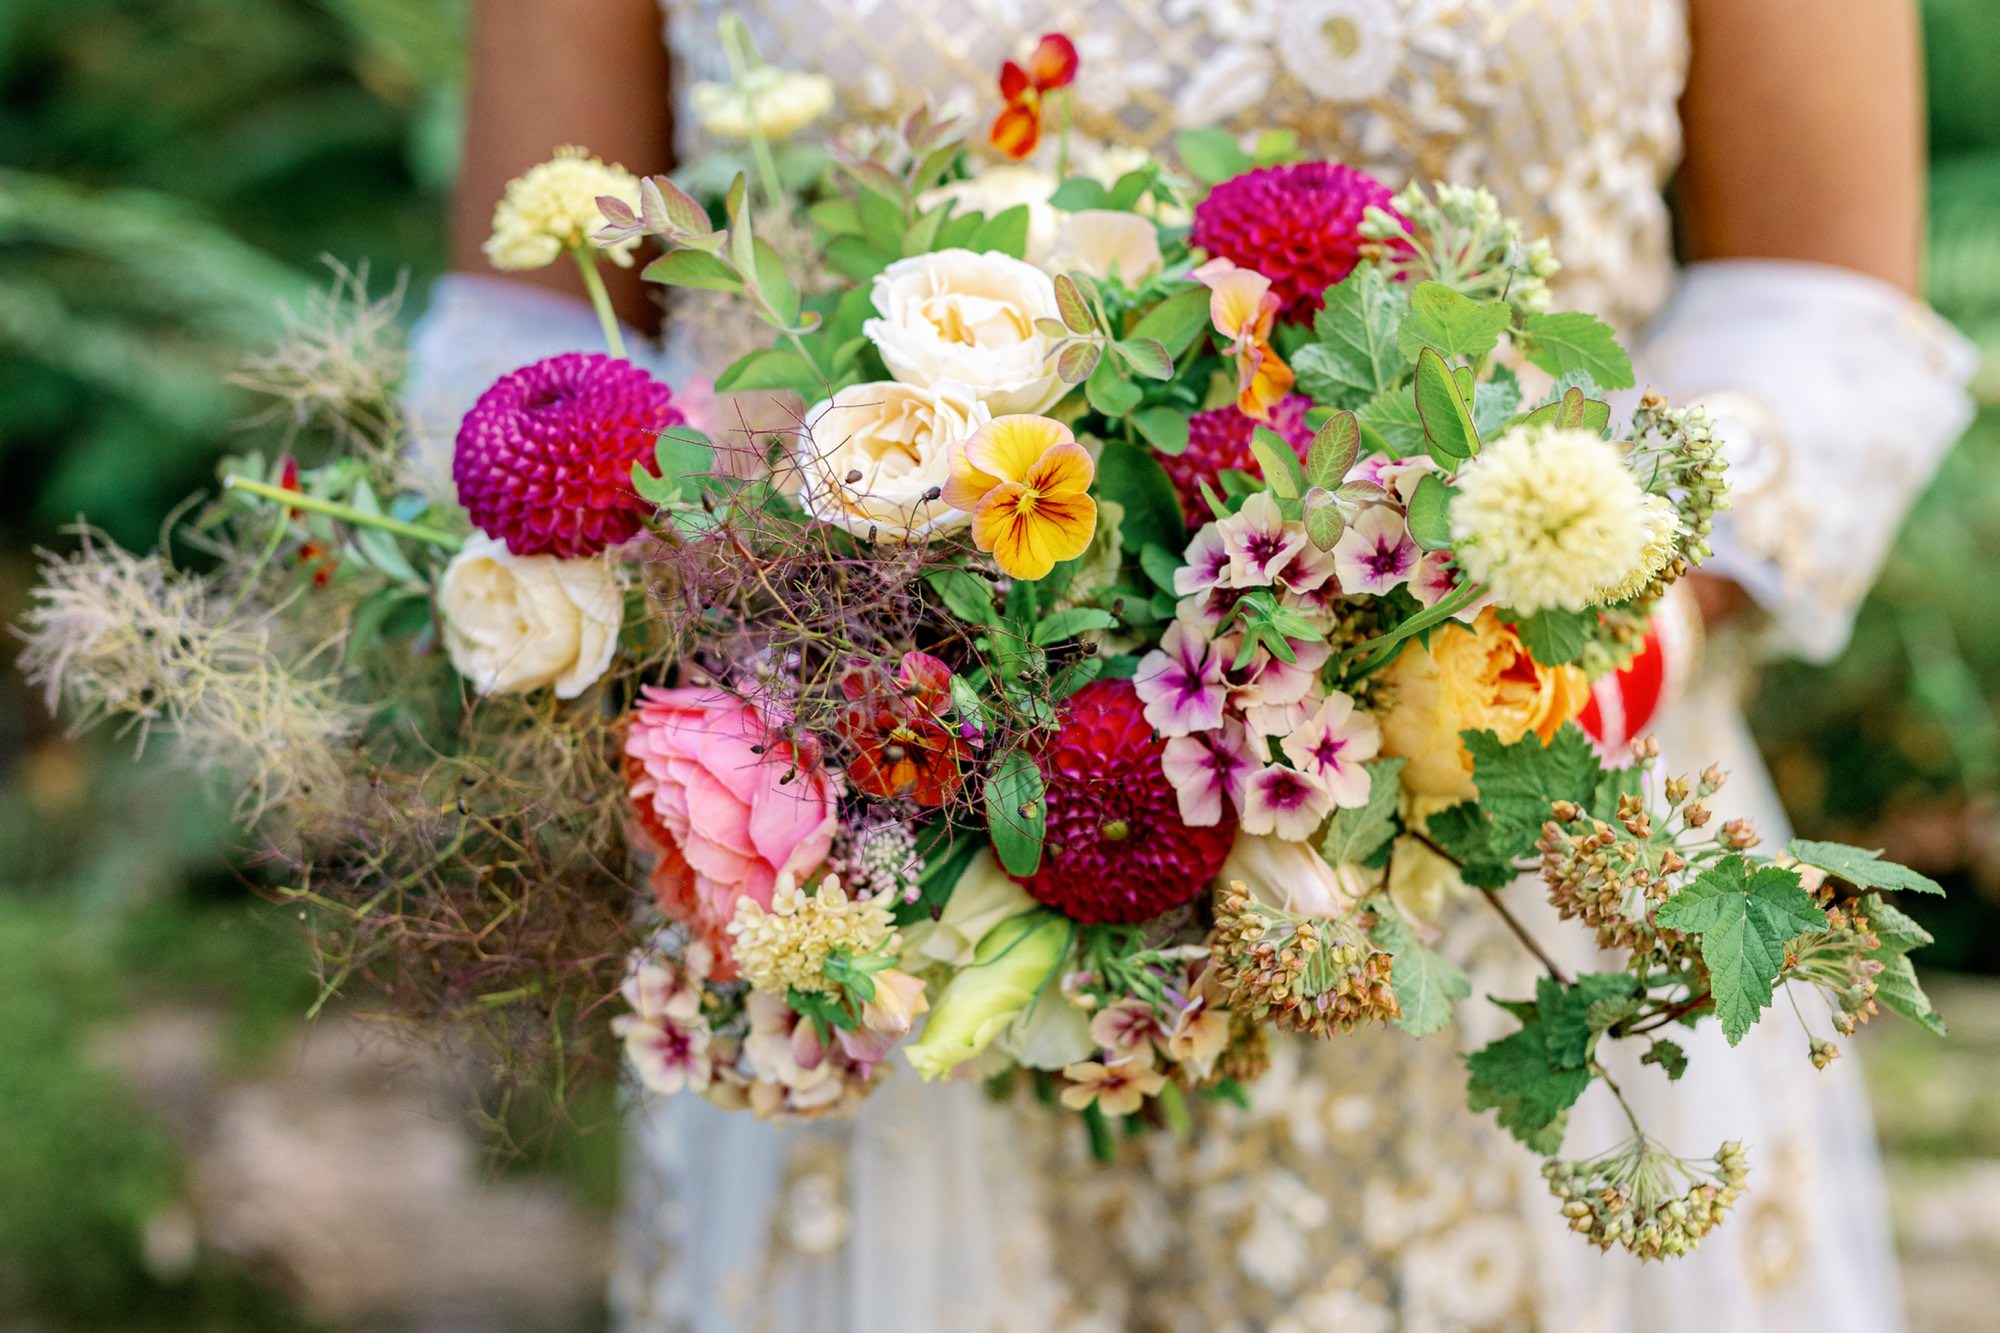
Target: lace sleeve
[1836, 397]
[475, 330]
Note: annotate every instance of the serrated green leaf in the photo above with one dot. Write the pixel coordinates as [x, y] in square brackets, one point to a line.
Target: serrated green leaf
[1336, 447]
[1897, 988]
[1425, 982]
[1463, 831]
[1453, 323]
[1669, 1056]
[1518, 783]
[1860, 867]
[1165, 428]
[1745, 919]
[1568, 1012]
[1556, 637]
[1571, 340]
[1016, 812]
[1896, 931]
[1356, 355]
[1530, 1091]
[1353, 836]
[1430, 513]
[1494, 402]
[1447, 422]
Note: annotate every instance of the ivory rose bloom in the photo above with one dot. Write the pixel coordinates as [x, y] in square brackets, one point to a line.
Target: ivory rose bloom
[1105, 243]
[1472, 678]
[874, 456]
[969, 318]
[518, 622]
[730, 803]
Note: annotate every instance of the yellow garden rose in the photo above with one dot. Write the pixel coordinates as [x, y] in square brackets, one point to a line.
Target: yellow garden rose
[1472, 678]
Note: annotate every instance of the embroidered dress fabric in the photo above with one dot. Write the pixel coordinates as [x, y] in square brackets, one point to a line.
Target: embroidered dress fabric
[1356, 1193]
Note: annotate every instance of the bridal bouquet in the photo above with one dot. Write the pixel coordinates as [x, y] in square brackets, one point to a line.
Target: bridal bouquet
[1099, 630]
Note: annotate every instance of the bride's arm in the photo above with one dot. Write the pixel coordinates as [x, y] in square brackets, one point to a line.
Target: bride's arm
[547, 73]
[1801, 197]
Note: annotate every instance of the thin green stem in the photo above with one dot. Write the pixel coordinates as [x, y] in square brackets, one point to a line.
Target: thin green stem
[1378, 648]
[1063, 119]
[1174, 1109]
[600, 300]
[415, 532]
[1619, 1093]
[278, 531]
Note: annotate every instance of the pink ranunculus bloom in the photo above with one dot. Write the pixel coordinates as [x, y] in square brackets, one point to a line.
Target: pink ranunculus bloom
[1376, 552]
[1181, 684]
[1208, 770]
[1333, 745]
[736, 801]
[1285, 802]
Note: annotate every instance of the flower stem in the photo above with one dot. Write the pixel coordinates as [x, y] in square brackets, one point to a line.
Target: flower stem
[1063, 118]
[1378, 648]
[415, 532]
[600, 300]
[1173, 1107]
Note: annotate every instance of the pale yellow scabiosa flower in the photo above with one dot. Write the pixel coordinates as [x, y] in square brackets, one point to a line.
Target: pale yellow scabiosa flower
[786, 947]
[1553, 518]
[1025, 481]
[768, 101]
[552, 207]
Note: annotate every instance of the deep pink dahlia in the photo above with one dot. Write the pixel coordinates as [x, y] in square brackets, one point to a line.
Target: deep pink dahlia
[1117, 848]
[1219, 439]
[544, 458]
[1298, 225]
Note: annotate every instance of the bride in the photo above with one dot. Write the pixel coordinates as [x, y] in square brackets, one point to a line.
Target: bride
[1355, 1193]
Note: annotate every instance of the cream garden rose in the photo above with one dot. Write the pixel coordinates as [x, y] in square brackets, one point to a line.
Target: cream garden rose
[1103, 243]
[954, 315]
[514, 623]
[999, 188]
[873, 457]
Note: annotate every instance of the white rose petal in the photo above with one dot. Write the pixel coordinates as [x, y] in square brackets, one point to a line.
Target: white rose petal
[895, 441]
[1105, 243]
[514, 623]
[997, 189]
[969, 318]
[1291, 876]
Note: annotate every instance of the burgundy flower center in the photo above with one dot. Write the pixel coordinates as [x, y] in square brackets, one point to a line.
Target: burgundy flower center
[1326, 754]
[1287, 791]
[1387, 559]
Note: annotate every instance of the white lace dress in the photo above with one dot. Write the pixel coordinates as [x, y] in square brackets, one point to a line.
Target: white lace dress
[1356, 1194]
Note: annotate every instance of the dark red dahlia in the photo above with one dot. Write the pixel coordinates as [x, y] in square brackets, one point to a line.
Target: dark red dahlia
[1298, 225]
[544, 458]
[1117, 849]
[1219, 439]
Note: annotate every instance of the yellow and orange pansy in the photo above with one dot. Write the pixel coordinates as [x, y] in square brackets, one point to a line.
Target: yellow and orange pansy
[1244, 310]
[1026, 482]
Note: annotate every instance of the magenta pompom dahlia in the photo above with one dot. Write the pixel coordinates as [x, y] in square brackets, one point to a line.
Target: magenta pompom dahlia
[1117, 848]
[1298, 225]
[1219, 439]
[544, 458]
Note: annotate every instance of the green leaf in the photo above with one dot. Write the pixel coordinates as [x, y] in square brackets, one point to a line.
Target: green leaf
[1109, 391]
[775, 283]
[1530, 1091]
[1323, 518]
[770, 368]
[1392, 414]
[1860, 867]
[1277, 462]
[1464, 831]
[1668, 1055]
[855, 259]
[1574, 341]
[1133, 478]
[1355, 836]
[1211, 155]
[1448, 429]
[1556, 637]
[1165, 428]
[1452, 322]
[1575, 1014]
[1016, 813]
[1897, 988]
[1146, 356]
[1519, 782]
[1425, 982]
[1357, 355]
[1745, 919]
[1897, 932]
[1335, 449]
[1160, 565]
[1070, 303]
[1176, 321]
[1078, 362]
[1430, 513]
[680, 456]
[1006, 231]
[837, 216]
[1068, 624]
[692, 268]
[1495, 401]
[1080, 193]
[965, 595]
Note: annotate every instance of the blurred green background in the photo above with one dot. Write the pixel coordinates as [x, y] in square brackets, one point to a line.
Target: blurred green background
[171, 174]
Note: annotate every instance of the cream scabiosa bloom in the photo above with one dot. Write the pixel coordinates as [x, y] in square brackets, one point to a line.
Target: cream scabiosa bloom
[1553, 518]
[552, 207]
[969, 318]
[776, 103]
[786, 947]
[875, 457]
[520, 622]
